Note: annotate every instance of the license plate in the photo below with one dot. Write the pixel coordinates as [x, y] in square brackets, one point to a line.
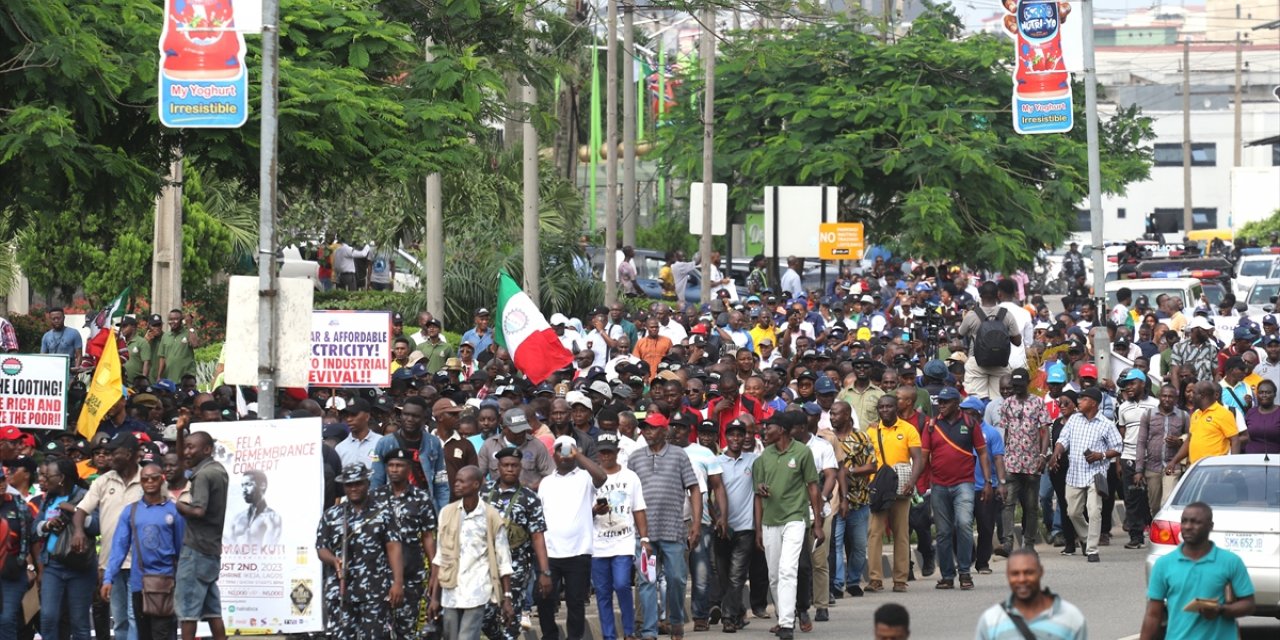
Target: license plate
[1243, 542]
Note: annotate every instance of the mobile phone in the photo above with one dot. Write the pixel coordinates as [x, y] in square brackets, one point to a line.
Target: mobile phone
[604, 502]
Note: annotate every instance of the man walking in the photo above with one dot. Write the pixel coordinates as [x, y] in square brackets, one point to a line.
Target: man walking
[1189, 585]
[516, 432]
[1160, 436]
[857, 464]
[786, 497]
[429, 471]
[666, 476]
[1031, 611]
[156, 518]
[733, 550]
[949, 444]
[1089, 441]
[567, 498]
[1129, 414]
[816, 587]
[994, 334]
[1026, 445]
[413, 515]
[619, 522]
[472, 561]
[197, 597]
[895, 441]
[357, 541]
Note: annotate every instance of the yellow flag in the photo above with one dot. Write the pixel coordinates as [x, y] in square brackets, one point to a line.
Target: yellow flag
[106, 388]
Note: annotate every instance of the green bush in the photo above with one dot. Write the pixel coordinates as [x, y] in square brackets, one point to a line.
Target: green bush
[30, 328]
[407, 303]
[209, 352]
[1260, 230]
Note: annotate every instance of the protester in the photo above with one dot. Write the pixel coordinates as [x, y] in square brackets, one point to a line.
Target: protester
[568, 498]
[156, 518]
[473, 562]
[895, 442]
[949, 445]
[619, 519]
[734, 549]
[892, 622]
[197, 597]
[1088, 442]
[1031, 611]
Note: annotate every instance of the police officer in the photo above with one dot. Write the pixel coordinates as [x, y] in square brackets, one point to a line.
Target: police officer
[522, 510]
[413, 515]
[357, 540]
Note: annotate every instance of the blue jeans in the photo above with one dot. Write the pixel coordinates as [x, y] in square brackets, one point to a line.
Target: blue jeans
[671, 555]
[122, 609]
[63, 589]
[1048, 514]
[953, 517]
[610, 576]
[11, 592]
[706, 589]
[850, 535]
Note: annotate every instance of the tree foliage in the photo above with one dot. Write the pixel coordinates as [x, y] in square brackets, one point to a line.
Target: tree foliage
[917, 134]
[1260, 230]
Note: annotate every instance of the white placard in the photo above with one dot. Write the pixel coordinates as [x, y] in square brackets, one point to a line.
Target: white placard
[719, 208]
[293, 329]
[350, 349]
[799, 214]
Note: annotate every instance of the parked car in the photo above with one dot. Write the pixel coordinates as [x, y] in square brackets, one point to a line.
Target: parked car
[1262, 296]
[1244, 492]
[1253, 267]
[1188, 289]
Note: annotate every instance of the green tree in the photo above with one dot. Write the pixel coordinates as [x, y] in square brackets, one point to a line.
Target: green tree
[1260, 230]
[916, 133]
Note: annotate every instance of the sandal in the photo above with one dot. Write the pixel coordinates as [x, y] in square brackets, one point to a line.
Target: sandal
[945, 583]
[966, 581]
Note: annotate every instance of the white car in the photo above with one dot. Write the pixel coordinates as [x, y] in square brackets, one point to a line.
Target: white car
[1261, 295]
[1252, 268]
[1244, 492]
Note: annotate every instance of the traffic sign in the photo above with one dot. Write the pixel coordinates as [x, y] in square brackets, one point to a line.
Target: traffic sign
[840, 241]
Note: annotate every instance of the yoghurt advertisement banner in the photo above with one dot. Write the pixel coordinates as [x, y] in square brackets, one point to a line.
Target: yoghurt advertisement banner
[1042, 100]
[271, 576]
[203, 80]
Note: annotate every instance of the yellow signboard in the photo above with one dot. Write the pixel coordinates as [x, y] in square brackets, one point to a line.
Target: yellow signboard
[840, 241]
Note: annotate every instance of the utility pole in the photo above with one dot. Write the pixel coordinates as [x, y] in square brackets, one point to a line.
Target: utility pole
[611, 160]
[1101, 341]
[1187, 222]
[267, 211]
[630, 208]
[435, 231]
[166, 260]
[708, 55]
[1238, 143]
[529, 156]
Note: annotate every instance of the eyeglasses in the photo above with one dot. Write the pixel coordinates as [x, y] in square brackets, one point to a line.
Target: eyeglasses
[693, 392]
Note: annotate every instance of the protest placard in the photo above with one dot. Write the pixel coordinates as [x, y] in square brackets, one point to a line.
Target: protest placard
[350, 349]
[33, 391]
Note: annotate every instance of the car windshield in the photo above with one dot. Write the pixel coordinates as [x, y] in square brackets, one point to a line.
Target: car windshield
[1223, 485]
[1257, 268]
[1262, 293]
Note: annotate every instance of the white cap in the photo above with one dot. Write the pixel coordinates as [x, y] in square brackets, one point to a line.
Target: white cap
[558, 318]
[578, 397]
[336, 403]
[601, 387]
[1200, 322]
[564, 441]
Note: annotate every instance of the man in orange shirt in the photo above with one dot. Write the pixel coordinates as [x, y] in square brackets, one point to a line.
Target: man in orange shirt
[895, 441]
[652, 348]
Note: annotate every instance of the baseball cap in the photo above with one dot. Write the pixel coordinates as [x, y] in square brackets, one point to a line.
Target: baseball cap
[607, 441]
[356, 406]
[735, 425]
[1020, 375]
[516, 420]
[1134, 374]
[708, 426]
[1269, 319]
[948, 393]
[445, 405]
[482, 311]
[974, 403]
[601, 387]
[1200, 322]
[824, 385]
[1243, 332]
[558, 318]
[578, 397]
[396, 318]
[1088, 371]
[1093, 393]
[1057, 375]
[124, 440]
[935, 369]
[155, 320]
[810, 408]
[656, 420]
[10, 433]
[382, 404]
[807, 374]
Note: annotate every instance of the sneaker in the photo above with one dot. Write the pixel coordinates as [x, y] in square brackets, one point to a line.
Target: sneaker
[899, 587]
[821, 616]
[1067, 551]
[1093, 557]
[1002, 551]
[1134, 544]
[930, 565]
[526, 622]
[1104, 540]
[985, 571]
[715, 615]
[854, 591]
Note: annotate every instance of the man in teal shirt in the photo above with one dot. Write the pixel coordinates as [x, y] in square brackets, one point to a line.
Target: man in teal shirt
[1199, 571]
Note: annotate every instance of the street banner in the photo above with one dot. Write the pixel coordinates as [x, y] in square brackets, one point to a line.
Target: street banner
[33, 391]
[840, 241]
[271, 577]
[1042, 100]
[350, 349]
[203, 79]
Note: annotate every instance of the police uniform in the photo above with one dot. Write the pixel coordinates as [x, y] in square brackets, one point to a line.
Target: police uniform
[363, 613]
[413, 514]
[519, 506]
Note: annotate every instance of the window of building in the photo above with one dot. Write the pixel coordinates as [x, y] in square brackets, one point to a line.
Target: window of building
[1275, 155]
[1169, 219]
[1120, 213]
[1084, 221]
[1203, 154]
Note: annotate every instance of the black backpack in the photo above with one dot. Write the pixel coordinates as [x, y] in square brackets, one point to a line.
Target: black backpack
[991, 346]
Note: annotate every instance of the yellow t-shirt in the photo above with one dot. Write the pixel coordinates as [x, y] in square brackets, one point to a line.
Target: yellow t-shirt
[1210, 430]
[668, 280]
[898, 440]
[759, 333]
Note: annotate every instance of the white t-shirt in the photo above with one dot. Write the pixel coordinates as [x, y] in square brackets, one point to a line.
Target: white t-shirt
[673, 331]
[705, 464]
[1021, 318]
[566, 505]
[824, 457]
[616, 530]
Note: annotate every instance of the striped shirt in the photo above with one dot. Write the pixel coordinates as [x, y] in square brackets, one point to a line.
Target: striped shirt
[1061, 621]
[1080, 434]
[664, 478]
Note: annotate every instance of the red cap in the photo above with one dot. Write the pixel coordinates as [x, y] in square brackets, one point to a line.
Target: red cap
[1088, 371]
[141, 436]
[28, 440]
[297, 393]
[699, 328]
[10, 433]
[657, 420]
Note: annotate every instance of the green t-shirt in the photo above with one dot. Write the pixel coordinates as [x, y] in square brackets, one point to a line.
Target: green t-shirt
[139, 352]
[787, 474]
[179, 357]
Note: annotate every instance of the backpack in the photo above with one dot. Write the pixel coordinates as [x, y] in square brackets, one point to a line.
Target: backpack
[13, 547]
[991, 346]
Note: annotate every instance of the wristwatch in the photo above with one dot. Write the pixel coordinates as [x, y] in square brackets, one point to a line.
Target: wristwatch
[546, 573]
[644, 539]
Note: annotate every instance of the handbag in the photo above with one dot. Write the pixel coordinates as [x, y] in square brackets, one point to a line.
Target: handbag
[81, 561]
[1100, 484]
[884, 487]
[157, 590]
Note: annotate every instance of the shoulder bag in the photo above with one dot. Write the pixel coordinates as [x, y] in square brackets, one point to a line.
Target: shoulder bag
[85, 559]
[516, 534]
[884, 487]
[157, 590]
[1019, 622]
